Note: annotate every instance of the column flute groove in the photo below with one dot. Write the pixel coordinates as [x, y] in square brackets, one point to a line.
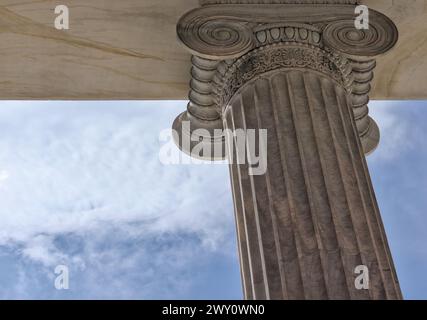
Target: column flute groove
[266, 221]
[294, 284]
[292, 79]
[333, 217]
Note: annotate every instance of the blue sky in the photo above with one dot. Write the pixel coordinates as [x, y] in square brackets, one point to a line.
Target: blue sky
[81, 184]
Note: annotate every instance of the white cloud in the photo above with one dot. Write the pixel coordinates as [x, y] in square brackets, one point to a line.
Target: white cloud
[395, 133]
[3, 176]
[92, 170]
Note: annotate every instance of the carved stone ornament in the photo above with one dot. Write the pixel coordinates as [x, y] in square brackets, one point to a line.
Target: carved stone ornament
[234, 41]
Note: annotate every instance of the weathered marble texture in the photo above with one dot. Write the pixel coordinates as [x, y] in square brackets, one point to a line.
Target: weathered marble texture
[127, 49]
[123, 49]
[402, 73]
[305, 225]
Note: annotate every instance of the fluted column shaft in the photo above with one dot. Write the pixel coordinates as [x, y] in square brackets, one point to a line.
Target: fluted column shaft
[305, 225]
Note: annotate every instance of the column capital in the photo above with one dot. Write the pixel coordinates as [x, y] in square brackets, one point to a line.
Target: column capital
[221, 32]
[232, 41]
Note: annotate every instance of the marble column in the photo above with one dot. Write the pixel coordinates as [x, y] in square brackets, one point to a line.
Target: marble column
[302, 73]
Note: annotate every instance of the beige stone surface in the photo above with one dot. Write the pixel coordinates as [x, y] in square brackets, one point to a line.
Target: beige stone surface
[127, 49]
[402, 73]
[123, 49]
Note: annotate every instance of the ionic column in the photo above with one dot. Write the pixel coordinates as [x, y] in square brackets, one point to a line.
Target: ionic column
[302, 74]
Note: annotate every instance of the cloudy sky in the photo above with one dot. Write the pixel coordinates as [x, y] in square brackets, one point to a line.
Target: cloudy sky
[82, 185]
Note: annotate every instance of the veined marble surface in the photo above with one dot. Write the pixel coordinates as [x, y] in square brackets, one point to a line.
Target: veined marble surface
[128, 49]
[402, 73]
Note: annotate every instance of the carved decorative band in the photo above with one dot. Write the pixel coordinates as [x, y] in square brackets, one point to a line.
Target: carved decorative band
[288, 32]
[279, 56]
